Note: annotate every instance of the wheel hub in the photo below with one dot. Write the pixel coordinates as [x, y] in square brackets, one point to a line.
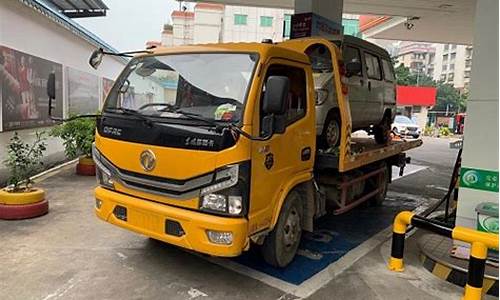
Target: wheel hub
[332, 133]
[291, 230]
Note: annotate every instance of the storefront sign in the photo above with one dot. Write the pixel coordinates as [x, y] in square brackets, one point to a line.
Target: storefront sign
[310, 24]
[478, 179]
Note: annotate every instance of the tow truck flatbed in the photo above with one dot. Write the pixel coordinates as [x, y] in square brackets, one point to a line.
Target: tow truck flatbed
[363, 151]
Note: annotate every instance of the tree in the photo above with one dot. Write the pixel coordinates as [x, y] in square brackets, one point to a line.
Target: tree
[405, 77]
[446, 95]
[449, 98]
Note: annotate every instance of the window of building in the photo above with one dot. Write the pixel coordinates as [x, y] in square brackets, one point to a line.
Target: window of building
[388, 74]
[372, 66]
[446, 47]
[451, 76]
[453, 47]
[266, 21]
[445, 57]
[453, 56]
[445, 67]
[443, 77]
[296, 102]
[417, 109]
[287, 26]
[467, 74]
[452, 67]
[240, 19]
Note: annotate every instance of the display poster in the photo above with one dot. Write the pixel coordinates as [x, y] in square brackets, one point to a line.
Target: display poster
[23, 90]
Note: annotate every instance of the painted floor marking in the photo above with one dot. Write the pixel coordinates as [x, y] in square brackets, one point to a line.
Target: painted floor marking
[320, 279]
[409, 170]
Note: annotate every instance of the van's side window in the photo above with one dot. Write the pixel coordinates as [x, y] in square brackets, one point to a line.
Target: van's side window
[296, 102]
[372, 67]
[352, 54]
[388, 73]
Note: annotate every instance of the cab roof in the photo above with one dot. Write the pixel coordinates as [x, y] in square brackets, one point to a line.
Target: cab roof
[264, 50]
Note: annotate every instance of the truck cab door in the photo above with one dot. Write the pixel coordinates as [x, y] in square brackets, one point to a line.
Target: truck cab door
[277, 161]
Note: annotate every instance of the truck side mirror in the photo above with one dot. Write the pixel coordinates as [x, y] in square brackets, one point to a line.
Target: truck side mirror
[273, 106]
[51, 90]
[353, 68]
[96, 58]
[277, 88]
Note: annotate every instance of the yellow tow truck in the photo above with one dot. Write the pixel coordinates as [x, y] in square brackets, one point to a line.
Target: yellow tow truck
[213, 148]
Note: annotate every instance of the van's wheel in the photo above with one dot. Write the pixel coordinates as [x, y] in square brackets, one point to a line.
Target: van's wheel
[281, 245]
[383, 131]
[382, 182]
[330, 137]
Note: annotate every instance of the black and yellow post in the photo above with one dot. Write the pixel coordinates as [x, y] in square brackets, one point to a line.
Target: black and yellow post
[401, 222]
[480, 242]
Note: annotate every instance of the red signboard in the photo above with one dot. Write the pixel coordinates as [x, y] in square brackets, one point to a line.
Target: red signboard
[415, 95]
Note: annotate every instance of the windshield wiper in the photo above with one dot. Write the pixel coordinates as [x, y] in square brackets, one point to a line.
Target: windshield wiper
[218, 126]
[193, 116]
[131, 112]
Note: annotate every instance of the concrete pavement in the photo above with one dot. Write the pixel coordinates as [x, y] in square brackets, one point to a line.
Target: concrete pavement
[70, 254]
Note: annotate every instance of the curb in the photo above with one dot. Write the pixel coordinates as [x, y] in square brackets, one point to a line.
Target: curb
[455, 276]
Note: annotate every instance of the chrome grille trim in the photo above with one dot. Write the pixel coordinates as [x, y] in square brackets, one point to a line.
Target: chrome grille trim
[187, 190]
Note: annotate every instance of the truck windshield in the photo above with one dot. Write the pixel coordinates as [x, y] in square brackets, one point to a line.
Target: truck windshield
[212, 86]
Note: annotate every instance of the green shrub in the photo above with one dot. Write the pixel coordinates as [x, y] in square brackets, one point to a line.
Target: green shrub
[444, 131]
[78, 136]
[23, 161]
[429, 130]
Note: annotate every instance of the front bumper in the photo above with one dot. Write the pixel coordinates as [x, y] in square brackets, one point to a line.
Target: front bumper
[148, 218]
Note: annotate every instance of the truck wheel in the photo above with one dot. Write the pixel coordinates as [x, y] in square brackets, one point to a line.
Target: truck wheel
[382, 181]
[330, 137]
[281, 245]
[383, 131]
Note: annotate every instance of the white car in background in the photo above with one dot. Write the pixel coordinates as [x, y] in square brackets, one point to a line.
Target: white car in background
[405, 126]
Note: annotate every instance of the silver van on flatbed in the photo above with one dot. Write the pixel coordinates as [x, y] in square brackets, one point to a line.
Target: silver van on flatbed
[369, 75]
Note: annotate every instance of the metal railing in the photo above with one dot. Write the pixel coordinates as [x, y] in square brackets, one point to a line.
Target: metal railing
[480, 241]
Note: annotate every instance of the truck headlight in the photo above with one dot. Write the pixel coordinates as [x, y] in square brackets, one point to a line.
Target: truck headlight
[228, 195]
[235, 205]
[103, 174]
[214, 202]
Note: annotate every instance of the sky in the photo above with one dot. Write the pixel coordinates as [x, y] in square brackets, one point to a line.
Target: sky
[130, 23]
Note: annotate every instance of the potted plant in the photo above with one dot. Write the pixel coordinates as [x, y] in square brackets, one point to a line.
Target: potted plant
[78, 136]
[20, 200]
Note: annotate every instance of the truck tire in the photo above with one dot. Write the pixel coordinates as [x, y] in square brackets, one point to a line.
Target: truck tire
[281, 245]
[330, 137]
[382, 180]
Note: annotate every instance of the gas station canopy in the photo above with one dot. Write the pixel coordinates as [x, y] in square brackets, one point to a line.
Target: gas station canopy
[80, 8]
[437, 21]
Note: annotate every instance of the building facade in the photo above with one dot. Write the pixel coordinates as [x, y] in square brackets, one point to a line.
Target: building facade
[26, 60]
[217, 23]
[418, 57]
[453, 65]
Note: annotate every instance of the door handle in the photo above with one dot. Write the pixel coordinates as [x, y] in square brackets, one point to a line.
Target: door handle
[369, 85]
